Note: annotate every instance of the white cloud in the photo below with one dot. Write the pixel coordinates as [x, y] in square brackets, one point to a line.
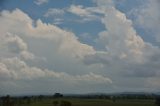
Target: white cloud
[120, 39]
[87, 14]
[64, 40]
[124, 52]
[53, 12]
[78, 10]
[56, 15]
[40, 2]
[147, 17]
[58, 21]
[62, 51]
[67, 64]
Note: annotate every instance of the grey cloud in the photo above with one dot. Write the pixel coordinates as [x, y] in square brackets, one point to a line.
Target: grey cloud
[15, 43]
[36, 77]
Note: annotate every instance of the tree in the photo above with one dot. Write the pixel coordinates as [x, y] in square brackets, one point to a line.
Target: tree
[28, 101]
[7, 101]
[57, 95]
[40, 97]
[158, 100]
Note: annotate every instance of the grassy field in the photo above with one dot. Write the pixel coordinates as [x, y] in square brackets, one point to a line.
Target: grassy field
[94, 102]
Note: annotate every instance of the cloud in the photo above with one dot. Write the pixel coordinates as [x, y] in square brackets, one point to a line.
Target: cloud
[154, 83]
[50, 58]
[147, 17]
[124, 52]
[15, 43]
[40, 2]
[78, 10]
[64, 40]
[27, 55]
[123, 42]
[58, 21]
[14, 70]
[42, 52]
[4, 73]
[85, 13]
[53, 12]
[56, 15]
[120, 42]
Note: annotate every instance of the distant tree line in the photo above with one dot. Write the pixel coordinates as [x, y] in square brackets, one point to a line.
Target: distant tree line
[27, 100]
[57, 101]
[158, 100]
[118, 96]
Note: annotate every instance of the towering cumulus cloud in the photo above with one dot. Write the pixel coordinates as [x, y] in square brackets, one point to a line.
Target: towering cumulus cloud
[21, 55]
[39, 57]
[124, 52]
[148, 16]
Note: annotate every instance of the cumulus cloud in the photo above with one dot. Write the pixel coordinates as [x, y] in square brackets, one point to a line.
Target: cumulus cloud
[64, 40]
[23, 45]
[124, 52]
[120, 42]
[32, 50]
[4, 73]
[27, 55]
[15, 43]
[148, 16]
[120, 39]
[14, 70]
[17, 69]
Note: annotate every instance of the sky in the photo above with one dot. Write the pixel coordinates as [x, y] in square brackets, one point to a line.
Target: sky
[79, 46]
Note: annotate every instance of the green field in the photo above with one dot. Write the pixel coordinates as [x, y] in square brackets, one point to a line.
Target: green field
[93, 102]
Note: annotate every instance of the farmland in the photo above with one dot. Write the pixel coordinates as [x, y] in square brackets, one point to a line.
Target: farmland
[76, 101]
[96, 102]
